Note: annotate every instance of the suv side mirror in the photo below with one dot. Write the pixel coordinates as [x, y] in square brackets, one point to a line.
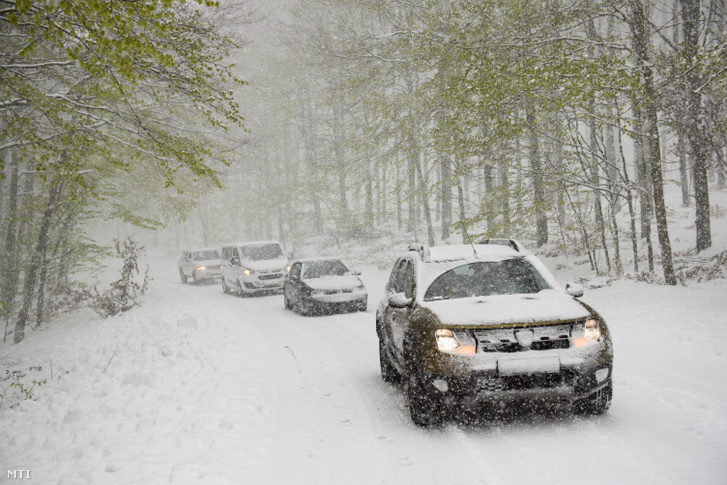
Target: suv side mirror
[399, 300]
[574, 289]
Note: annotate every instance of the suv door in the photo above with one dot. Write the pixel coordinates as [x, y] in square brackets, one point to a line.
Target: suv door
[397, 318]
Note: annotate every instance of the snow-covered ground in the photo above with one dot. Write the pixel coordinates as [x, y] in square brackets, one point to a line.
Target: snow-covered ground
[202, 387]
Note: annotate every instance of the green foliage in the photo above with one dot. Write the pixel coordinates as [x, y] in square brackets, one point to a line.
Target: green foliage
[14, 388]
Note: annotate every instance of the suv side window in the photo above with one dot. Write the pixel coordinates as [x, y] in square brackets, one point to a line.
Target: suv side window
[408, 280]
[396, 277]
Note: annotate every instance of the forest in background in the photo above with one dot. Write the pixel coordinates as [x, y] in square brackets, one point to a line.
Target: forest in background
[555, 122]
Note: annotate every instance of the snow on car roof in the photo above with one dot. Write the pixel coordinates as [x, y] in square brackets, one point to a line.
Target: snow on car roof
[468, 252]
[249, 243]
[317, 258]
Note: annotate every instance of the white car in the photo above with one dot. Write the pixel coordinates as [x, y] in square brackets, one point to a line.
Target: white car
[323, 286]
[253, 267]
[200, 265]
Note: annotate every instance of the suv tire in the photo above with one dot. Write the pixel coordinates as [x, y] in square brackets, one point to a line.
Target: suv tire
[597, 403]
[388, 371]
[426, 410]
[183, 277]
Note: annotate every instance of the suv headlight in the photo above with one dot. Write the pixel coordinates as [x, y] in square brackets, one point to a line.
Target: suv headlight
[591, 333]
[247, 272]
[454, 342]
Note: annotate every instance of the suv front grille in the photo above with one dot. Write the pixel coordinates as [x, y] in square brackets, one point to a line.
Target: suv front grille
[524, 382]
[546, 337]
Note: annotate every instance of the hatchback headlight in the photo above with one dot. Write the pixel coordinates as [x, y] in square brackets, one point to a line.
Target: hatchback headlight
[247, 272]
[451, 342]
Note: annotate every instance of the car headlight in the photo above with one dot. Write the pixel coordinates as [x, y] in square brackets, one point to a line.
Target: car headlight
[201, 268]
[451, 342]
[287, 269]
[247, 272]
[591, 333]
[360, 288]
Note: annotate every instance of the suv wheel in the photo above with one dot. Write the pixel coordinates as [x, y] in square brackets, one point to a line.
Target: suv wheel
[596, 403]
[183, 277]
[388, 371]
[286, 302]
[425, 409]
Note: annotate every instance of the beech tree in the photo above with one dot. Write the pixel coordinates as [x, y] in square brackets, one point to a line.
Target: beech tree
[95, 93]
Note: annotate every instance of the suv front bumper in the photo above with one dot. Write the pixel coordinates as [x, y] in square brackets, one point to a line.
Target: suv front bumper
[569, 383]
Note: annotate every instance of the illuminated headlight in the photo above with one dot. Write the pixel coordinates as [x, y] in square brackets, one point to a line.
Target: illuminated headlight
[247, 272]
[591, 333]
[201, 268]
[287, 269]
[450, 342]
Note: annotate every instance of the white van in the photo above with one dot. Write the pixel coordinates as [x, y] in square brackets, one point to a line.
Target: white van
[253, 267]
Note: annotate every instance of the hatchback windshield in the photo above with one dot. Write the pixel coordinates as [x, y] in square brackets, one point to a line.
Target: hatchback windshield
[260, 252]
[509, 277]
[319, 269]
[205, 255]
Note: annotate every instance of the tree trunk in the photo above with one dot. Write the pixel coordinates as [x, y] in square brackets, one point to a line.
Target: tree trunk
[695, 126]
[446, 170]
[638, 20]
[541, 219]
[9, 269]
[431, 239]
[31, 276]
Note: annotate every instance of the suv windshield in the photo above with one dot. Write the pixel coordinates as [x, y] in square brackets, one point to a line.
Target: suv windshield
[509, 277]
[319, 269]
[262, 252]
[205, 255]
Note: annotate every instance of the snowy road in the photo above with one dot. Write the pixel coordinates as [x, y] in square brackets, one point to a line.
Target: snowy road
[202, 387]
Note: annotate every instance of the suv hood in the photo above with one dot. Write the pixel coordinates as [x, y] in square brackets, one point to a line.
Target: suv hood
[266, 265]
[546, 306]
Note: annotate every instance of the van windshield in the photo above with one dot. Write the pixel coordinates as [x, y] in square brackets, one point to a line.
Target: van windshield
[261, 252]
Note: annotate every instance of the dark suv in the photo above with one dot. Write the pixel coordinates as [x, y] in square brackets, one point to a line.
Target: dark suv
[487, 323]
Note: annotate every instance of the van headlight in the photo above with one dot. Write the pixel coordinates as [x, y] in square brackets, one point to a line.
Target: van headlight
[454, 342]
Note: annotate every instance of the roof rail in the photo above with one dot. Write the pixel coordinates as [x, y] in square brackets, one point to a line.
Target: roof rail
[504, 242]
[422, 249]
